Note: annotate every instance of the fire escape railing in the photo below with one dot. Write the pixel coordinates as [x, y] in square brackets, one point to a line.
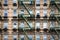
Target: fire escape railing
[57, 18]
[25, 18]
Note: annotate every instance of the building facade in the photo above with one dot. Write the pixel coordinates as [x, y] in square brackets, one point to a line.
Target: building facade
[29, 20]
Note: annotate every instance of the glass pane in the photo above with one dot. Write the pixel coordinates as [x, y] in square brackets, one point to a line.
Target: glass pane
[5, 12]
[5, 1]
[37, 1]
[37, 37]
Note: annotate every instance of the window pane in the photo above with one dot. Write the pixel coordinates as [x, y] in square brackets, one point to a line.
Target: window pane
[44, 24]
[21, 37]
[14, 1]
[5, 12]
[37, 1]
[37, 37]
[37, 12]
[5, 1]
[30, 23]
[21, 24]
[37, 25]
[30, 11]
[44, 12]
[51, 38]
[30, 37]
[5, 25]
[22, 12]
[45, 1]
[14, 37]
[15, 24]
[52, 24]
[45, 37]
[14, 12]
[5, 37]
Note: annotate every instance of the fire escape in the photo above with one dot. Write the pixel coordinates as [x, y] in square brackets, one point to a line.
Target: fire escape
[26, 17]
[55, 17]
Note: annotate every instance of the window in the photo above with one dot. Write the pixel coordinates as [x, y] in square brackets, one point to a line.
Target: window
[21, 37]
[37, 12]
[5, 24]
[44, 12]
[52, 24]
[30, 23]
[14, 12]
[44, 37]
[45, 24]
[14, 1]
[22, 12]
[51, 38]
[5, 1]
[37, 25]
[30, 37]
[14, 37]
[30, 11]
[5, 37]
[37, 2]
[52, 11]
[45, 1]
[37, 37]
[15, 24]
[5, 13]
[22, 24]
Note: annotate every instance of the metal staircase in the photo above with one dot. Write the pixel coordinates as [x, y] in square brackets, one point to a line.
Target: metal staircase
[57, 16]
[25, 18]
